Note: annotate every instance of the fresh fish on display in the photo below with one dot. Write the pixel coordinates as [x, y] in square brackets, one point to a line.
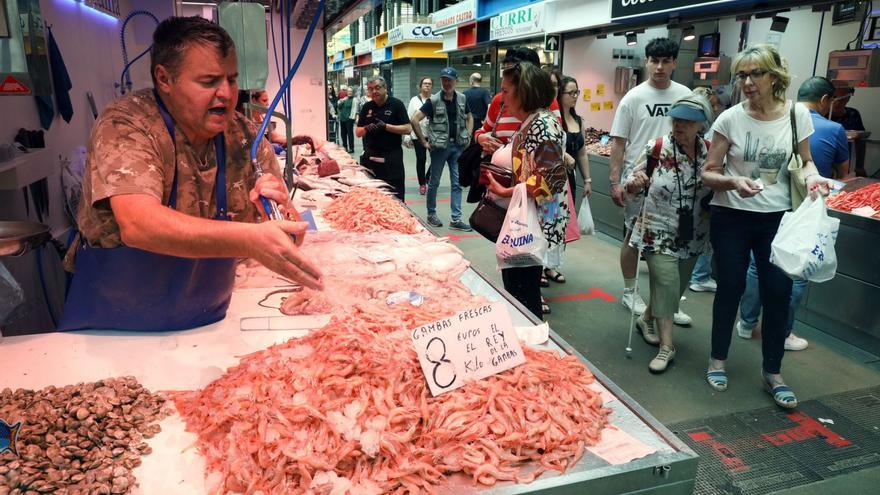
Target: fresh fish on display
[347, 408]
[366, 210]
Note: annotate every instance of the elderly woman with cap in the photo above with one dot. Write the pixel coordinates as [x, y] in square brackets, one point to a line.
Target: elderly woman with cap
[673, 227]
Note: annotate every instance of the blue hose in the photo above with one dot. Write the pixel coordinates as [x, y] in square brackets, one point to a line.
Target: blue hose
[302, 51]
[125, 62]
[125, 74]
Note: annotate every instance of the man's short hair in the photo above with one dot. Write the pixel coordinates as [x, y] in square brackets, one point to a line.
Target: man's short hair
[476, 77]
[521, 54]
[661, 47]
[378, 80]
[174, 35]
[814, 88]
[533, 86]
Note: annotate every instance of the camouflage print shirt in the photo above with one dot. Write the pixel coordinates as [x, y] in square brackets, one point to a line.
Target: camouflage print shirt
[130, 152]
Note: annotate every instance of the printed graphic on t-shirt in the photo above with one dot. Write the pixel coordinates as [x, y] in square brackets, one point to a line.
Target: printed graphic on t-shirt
[769, 159]
[658, 109]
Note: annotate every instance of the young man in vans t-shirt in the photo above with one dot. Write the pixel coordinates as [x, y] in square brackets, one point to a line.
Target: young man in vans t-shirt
[641, 117]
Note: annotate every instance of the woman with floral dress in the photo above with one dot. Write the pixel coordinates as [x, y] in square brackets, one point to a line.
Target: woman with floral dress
[537, 151]
[673, 228]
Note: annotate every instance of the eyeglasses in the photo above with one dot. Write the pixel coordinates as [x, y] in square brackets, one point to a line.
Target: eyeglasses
[374, 89]
[753, 75]
[573, 94]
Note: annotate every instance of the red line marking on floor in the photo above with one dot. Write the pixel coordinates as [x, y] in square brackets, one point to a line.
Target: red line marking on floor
[456, 237]
[725, 453]
[807, 428]
[700, 436]
[412, 178]
[593, 293]
[415, 201]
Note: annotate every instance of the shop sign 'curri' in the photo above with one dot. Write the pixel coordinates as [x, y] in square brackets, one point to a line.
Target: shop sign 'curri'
[517, 23]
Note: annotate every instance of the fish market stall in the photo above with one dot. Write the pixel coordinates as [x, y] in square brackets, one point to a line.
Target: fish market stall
[227, 378]
[838, 306]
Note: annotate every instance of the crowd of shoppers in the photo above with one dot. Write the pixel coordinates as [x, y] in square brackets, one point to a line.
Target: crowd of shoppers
[703, 187]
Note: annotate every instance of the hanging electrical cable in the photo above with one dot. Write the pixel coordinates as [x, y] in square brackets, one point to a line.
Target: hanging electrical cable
[289, 11]
[125, 77]
[274, 43]
[270, 206]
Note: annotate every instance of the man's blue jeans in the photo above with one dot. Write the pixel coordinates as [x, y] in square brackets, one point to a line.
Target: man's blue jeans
[439, 158]
[702, 270]
[750, 304]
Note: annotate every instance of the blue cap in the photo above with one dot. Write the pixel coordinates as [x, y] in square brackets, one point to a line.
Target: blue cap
[684, 111]
[449, 73]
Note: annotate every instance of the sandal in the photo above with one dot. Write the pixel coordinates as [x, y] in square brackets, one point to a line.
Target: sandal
[544, 281]
[717, 380]
[545, 308]
[554, 275]
[783, 395]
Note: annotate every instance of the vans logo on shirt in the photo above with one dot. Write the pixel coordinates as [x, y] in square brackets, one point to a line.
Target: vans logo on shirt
[658, 109]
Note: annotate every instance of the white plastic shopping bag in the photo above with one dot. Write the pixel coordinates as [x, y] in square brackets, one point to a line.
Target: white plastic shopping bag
[585, 218]
[521, 241]
[804, 244]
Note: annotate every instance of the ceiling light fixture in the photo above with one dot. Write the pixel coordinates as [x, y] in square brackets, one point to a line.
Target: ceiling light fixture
[631, 39]
[779, 24]
[688, 33]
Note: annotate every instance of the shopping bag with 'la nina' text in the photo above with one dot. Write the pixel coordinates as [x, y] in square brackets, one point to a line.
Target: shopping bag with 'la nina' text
[521, 241]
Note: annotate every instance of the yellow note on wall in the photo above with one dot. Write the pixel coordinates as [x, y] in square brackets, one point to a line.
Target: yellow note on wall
[595, 106]
[600, 90]
[588, 94]
[607, 105]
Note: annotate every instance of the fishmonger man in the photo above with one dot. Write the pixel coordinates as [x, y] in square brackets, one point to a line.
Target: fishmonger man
[170, 197]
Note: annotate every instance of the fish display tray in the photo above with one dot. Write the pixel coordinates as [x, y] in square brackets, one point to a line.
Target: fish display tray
[192, 359]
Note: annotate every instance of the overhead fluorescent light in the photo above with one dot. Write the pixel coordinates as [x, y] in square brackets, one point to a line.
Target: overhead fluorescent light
[689, 33]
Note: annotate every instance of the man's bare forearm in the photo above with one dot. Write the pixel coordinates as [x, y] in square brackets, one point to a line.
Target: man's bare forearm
[146, 224]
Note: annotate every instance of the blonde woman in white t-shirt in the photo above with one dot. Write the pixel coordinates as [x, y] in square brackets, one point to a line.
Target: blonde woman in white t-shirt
[751, 194]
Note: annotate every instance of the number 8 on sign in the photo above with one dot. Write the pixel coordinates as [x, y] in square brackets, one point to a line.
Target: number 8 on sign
[444, 372]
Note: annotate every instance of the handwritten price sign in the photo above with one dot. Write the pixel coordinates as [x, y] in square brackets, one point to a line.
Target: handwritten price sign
[471, 345]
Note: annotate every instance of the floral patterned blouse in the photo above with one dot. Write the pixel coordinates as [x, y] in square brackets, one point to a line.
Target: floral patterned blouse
[538, 150]
[675, 183]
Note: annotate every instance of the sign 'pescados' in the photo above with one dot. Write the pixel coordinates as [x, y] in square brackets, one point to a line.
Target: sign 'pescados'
[622, 9]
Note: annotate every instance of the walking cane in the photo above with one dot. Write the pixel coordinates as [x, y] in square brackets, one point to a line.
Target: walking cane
[632, 321]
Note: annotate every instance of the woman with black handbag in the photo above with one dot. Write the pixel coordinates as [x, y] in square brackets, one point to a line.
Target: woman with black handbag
[537, 151]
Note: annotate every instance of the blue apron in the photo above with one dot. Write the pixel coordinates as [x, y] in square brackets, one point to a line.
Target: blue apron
[125, 288]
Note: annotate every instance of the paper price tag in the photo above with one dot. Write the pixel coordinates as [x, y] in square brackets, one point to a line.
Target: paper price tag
[588, 94]
[600, 90]
[471, 345]
[595, 106]
[607, 105]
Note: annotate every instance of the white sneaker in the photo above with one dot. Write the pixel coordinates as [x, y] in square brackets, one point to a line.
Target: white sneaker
[631, 297]
[707, 286]
[664, 357]
[649, 333]
[742, 331]
[682, 318]
[795, 343]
